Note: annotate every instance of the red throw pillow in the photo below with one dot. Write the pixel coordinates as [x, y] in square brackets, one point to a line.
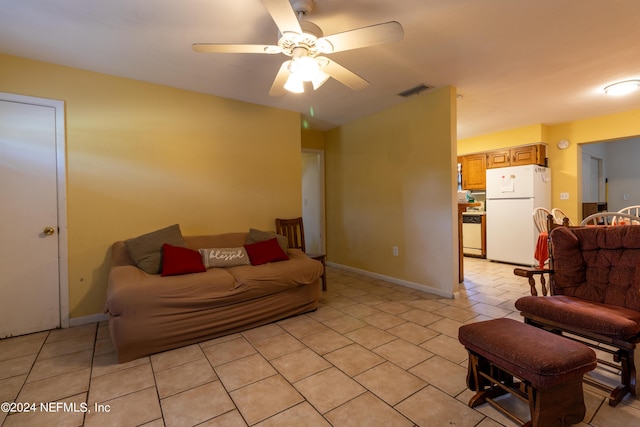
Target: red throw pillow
[177, 260]
[265, 251]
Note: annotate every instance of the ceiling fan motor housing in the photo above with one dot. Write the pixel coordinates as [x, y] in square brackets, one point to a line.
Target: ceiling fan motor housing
[308, 39]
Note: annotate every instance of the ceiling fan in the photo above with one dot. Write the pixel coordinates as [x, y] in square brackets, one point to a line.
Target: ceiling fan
[305, 43]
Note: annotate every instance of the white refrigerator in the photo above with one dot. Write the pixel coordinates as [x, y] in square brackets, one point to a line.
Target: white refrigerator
[511, 196]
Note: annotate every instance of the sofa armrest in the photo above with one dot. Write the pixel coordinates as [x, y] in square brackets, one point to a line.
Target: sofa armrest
[531, 273]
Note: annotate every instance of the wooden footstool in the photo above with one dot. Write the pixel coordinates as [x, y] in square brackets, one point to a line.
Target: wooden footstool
[549, 368]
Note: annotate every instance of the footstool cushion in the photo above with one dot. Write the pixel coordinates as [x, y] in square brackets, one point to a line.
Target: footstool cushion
[538, 356]
[549, 367]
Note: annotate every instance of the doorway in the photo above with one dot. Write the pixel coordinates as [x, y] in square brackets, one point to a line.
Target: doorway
[593, 180]
[313, 200]
[33, 252]
[614, 162]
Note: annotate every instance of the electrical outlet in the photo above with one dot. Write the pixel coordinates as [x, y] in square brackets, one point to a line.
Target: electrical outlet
[395, 251]
[564, 196]
[625, 197]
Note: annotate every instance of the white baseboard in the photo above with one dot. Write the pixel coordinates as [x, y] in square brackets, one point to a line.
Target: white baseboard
[401, 282]
[84, 320]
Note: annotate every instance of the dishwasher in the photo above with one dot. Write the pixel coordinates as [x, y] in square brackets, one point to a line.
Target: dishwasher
[473, 233]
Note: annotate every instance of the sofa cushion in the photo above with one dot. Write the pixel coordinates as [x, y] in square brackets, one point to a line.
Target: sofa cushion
[298, 270]
[177, 260]
[146, 250]
[604, 319]
[265, 251]
[224, 257]
[256, 236]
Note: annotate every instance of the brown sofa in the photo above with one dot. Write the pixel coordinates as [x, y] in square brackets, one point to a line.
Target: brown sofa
[149, 313]
[594, 295]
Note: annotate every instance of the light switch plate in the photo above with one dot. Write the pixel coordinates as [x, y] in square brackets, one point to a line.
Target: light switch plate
[564, 196]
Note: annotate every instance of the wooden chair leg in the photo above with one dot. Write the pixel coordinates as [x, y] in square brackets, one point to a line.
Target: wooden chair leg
[627, 374]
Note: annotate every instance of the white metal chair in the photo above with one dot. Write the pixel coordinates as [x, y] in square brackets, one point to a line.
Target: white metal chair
[610, 218]
[540, 219]
[559, 216]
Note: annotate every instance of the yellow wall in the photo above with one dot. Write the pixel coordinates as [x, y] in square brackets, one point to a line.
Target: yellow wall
[313, 139]
[508, 138]
[565, 164]
[391, 182]
[143, 156]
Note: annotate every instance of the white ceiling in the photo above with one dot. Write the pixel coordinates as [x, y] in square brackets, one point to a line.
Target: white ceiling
[515, 62]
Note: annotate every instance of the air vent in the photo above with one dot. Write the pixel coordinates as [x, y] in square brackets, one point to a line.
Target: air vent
[415, 90]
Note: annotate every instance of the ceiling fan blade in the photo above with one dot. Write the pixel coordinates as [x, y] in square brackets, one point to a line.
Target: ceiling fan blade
[283, 15]
[235, 48]
[387, 32]
[277, 88]
[341, 74]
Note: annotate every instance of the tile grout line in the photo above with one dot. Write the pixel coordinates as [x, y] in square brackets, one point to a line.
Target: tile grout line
[27, 375]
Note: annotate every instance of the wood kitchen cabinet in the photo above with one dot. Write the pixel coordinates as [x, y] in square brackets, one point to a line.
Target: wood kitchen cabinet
[474, 171]
[517, 156]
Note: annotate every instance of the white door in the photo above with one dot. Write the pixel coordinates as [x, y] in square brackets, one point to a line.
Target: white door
[29, 266]
[313, 200]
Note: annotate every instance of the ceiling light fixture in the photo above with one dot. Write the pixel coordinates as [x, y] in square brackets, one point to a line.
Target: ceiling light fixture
[622, 88]
[294, 84]
[304, 68]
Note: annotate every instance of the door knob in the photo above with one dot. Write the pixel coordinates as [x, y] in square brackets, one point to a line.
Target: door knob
[48, 231]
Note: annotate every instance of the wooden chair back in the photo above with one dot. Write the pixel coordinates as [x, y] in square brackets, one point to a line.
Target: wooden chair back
[532, 273]
[540, 216]
[559, 216]
[631, 210]
[293, 230]
[611, 218]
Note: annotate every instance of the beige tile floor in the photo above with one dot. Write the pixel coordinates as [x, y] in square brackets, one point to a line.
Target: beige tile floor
[373, 354]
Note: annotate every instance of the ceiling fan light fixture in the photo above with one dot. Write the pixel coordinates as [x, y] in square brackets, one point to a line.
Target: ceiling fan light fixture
[622, 88]
[305, 67]
[303, 41]
[294, 84]
[319, 79]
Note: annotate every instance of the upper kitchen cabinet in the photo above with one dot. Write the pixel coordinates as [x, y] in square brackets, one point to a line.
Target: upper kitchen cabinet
[473, 171]
[517, 156]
